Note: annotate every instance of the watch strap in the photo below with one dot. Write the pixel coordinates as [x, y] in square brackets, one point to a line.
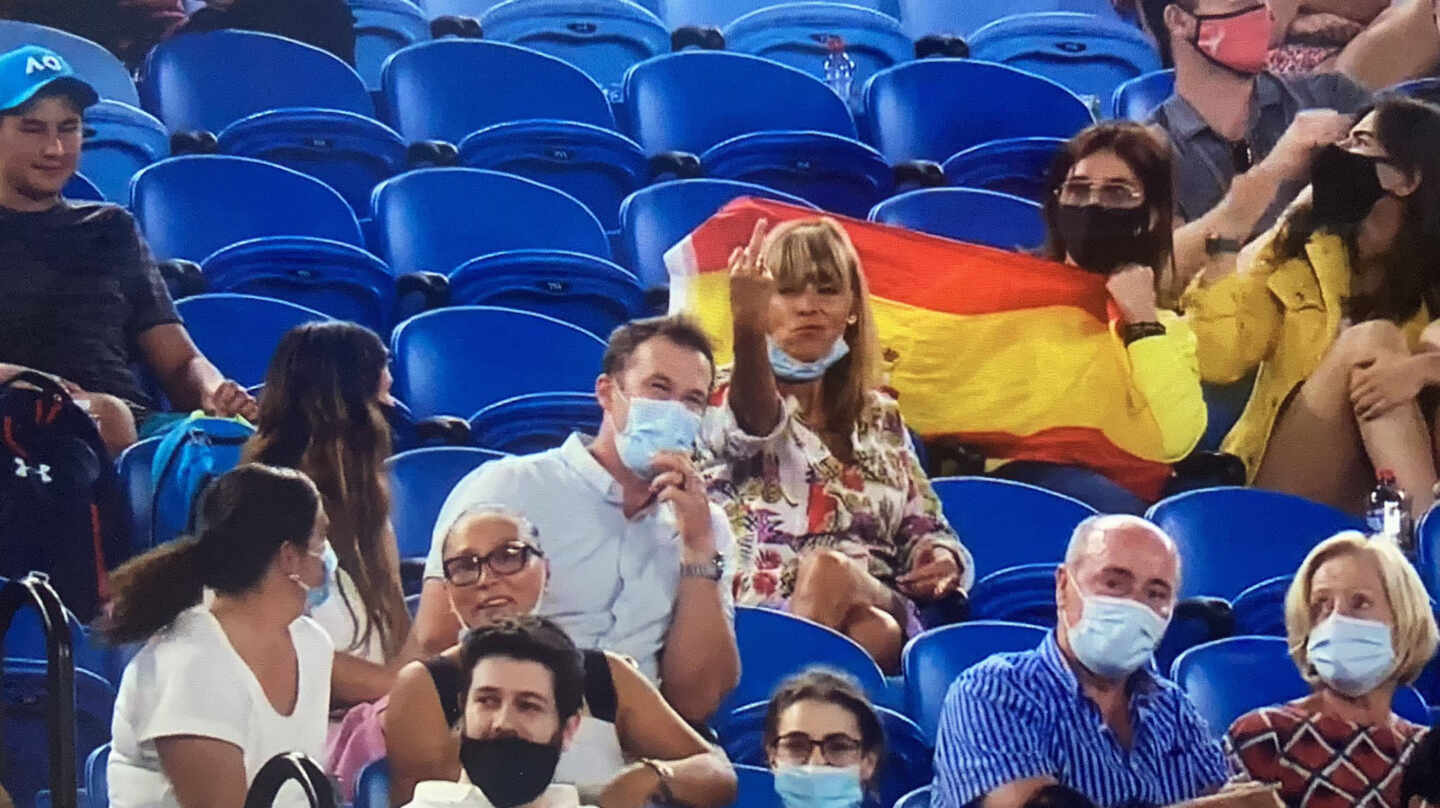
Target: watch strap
[1133, 332]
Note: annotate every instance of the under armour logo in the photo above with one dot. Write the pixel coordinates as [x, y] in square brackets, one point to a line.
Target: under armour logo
[46, 62]
[23, 471]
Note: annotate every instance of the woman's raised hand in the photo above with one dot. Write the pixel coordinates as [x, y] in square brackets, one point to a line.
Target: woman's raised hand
[751, 284]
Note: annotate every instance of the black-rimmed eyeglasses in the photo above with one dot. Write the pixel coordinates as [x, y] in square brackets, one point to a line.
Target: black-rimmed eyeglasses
[465, 570]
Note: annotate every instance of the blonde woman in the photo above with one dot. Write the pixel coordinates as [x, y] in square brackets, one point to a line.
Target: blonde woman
[1360, 625]
[835, 518]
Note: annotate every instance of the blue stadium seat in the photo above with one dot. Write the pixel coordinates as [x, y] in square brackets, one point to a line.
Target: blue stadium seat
[97, 781]
[934, 659]
[535, 422]
[1089, 55]
[134, 467]
[1015, 166]
[693, 100]
[755, 788]
[25, 708]
[654, 219]
[98, 66]
[966, 214]
[457, 8]
[435, 219]
[922, 17]
[455, 361]
[1137, 98]
[919, 798]
[446, 89]
[1427, 89]
[81, 189]
[26, 640]
[1276, 530]
[597, 166]
[351, 153]
[1427, 549]
[1260, 609]
[383, 27]
[1024, 593]
[1223, 405]
[239, 333]
[601, 37]
[720, 13]
[191, 206]
[337, 279]
[120, 140]
[208, 81]
[985, 513]
[590, 292]
[372, 790]
[420, 480]
[836, 173]
[931, 109]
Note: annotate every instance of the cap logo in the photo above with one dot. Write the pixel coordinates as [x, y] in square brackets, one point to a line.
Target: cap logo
[46, 62]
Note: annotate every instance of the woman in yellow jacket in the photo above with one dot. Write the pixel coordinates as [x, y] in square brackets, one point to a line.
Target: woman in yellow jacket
[1334, 307]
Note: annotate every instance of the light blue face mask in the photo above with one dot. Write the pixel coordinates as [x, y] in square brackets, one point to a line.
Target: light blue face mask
[316, 595]
[819, 786]
[655, 426]
[1115, 636]
[1350, 654]
[788, 368]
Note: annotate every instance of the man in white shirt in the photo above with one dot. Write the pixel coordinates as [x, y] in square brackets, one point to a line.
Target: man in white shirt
[638, 556]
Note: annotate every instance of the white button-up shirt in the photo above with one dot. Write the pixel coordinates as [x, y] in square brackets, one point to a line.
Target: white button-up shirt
[613, 581]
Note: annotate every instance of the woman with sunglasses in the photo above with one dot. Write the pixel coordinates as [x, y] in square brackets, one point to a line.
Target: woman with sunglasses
[493, 567]
[823, 740]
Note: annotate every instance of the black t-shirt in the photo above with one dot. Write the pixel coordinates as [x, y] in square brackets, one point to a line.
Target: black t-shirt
[77, 286]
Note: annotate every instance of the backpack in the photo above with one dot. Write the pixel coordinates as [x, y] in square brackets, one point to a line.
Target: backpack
[190, 454]
[62, 509]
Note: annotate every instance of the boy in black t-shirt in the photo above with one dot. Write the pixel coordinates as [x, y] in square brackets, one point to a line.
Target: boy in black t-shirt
[80, 296]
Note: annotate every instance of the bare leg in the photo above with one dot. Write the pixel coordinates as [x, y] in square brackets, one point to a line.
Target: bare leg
[114, 419]
[834, 591]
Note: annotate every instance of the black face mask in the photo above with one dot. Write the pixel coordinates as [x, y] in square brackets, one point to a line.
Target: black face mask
[1102, 239]
[511, 771]
[1345, 186]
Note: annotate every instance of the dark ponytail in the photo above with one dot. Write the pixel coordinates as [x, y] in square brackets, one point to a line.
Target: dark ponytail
[243, 518]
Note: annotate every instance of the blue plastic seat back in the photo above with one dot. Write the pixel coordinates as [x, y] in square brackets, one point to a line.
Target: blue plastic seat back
[1427, 89]
[919, 798]
[720, 13]
[931, 109]
[331, 277]
[239, 333]
[134, 466]
[348, 152]
[372, 790]
[754, 788]
[25, 706]
[1089, 55]
[457, 360]
[597, 166]
[1223, 405]
[922, 17]
[1276, 530]
[934, 659]
[191, 206]
[122, 139]
[81, 189]
[446, 89]
[838, 174]
[589, 292]
[601, 37]
[774, 646]
[97, 779]
[436, 219]
[457, 8]
[1427, 546]
[535, 422]
[654, 219]
[1015, 166]
[1024, 593]
[1260, 609]
[383, 27]
[966, 214]
[26, 639]
[208, 81]
[986, 514]
[420, 480]
[693, 100]
[99, 67]
[1137, 98]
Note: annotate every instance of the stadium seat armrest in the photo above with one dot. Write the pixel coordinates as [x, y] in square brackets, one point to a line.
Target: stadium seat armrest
[953, 608]
[197, 141]
[683, 165]
[1215, 613]
[457, 26]
[183, 278]
[944, 45]
[1210, 469]
[432, 288]
[705, 37]
[431, 154]
[447, 430]
[919, 173]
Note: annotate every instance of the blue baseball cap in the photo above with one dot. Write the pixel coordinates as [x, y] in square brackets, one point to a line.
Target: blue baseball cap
[27, 71]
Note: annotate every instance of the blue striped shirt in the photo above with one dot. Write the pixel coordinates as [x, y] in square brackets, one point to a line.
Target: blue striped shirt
[1018, 716]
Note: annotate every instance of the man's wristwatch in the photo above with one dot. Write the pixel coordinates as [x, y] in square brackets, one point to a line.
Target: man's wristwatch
[712, 570]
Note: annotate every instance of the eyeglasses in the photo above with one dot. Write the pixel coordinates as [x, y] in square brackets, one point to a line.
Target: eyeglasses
[837, 748]
[1110, 194]
[465, 570]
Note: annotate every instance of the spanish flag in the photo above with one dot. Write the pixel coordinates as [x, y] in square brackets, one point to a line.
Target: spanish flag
[1009, 353]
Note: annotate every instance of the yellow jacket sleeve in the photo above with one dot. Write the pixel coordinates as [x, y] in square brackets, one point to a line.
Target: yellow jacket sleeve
[1236, 321]
[1163, 371]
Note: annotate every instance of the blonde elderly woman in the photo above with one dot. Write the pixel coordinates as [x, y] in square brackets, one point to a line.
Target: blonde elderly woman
[1360, 625]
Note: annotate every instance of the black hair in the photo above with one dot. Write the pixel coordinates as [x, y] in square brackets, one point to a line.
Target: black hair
[679, 329]
[831, 687]
[1422, 776]
[1058, 796]
[531, 639]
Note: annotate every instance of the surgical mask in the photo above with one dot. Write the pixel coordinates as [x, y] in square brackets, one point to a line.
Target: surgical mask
[1115, 636]
[1345, 186]
[1351, 655]
[511, 771]
[1238, 41]
[819, 786]
[1102, 239]
[655, 426]
[317, 595]
[788, 368]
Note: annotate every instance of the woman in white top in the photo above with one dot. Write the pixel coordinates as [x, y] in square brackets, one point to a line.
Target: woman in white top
[220, 688]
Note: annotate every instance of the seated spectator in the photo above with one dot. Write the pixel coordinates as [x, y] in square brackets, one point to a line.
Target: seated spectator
[326, 24]
[1421, 784]
[129, 28]
[321, 414]
[221, 687]
[1334, 307]
[1016, 723]
[636, 551]
[80, 296]
[835, 518]
[1360, 625]
[823, 740]
[494, 569]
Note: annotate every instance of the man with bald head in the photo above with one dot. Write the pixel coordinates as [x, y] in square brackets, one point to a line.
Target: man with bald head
[1084, 709]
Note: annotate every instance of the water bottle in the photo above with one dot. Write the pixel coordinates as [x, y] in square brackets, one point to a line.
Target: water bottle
[1387, 514]
[839, 69]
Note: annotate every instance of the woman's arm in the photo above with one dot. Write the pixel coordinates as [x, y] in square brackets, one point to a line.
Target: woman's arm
[418, 743]
[754, 396]
[353, 679]
[206, 772]
[1165, 372]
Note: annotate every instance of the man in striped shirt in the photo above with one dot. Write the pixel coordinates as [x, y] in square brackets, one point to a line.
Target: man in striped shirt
[1084, 709]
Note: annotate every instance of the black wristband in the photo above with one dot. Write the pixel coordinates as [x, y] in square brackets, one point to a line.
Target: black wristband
[1130, 332]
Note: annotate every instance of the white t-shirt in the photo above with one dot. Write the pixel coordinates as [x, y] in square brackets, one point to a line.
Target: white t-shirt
[342, 625]
[189, 680]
